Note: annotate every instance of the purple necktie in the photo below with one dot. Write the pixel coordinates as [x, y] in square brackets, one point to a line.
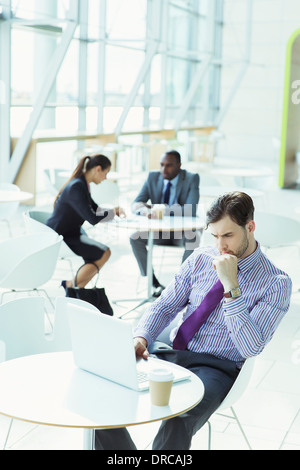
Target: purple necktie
[192, 324]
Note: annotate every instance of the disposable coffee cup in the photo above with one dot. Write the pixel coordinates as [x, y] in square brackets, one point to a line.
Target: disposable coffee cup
[159, 210]
[160, 382]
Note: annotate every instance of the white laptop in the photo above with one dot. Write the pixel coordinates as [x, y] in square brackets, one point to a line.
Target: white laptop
[103, 345]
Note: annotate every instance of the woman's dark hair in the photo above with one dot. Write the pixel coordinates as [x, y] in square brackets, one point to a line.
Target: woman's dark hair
[85, 164]
[237, 205]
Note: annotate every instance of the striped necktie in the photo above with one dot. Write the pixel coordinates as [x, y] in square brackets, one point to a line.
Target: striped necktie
[193, 323]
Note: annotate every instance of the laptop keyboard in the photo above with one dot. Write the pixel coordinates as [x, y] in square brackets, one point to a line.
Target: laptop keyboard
[142, 377]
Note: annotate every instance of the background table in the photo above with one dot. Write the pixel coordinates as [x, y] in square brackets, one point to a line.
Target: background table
[241, 172]
[14, 196]
[144, 224]
[49, 389]
[216, 191]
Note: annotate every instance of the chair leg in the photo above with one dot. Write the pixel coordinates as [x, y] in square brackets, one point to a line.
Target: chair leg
[69, 261]
[8, 433]
[50, 301]
[88, 439]
[241, 428]
[209, 435]
[234, 416]
[8, 226]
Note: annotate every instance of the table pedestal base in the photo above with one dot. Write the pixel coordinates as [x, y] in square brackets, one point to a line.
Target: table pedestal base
[88, 439]
[149, 297]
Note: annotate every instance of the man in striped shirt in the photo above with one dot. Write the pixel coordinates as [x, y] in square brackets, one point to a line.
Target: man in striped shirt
[256, 297]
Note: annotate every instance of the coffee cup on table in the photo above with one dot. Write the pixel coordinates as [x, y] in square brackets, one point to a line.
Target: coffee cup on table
[160, 384]
[159, 210]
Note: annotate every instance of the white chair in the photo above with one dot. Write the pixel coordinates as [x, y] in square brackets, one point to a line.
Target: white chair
[61, 330]
[55, 178]
[28, 262]
[35, 222]
[22, 333]
[22, 328]
[8, 209]
[48, 183]
[164, 336]
[274, 231]
[106, 193]
[236, 392]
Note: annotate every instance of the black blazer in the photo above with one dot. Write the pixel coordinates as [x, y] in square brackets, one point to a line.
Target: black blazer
[75, 206]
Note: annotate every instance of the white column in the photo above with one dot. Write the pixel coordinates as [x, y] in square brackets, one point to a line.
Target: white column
[5, 79]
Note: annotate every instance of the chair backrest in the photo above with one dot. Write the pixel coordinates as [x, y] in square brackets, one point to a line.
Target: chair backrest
[28, 261]
[240, 385]
[55, 178]
[273, 230]
[35, 221]
[22, 326]
[22, 329]
[164, 336]
[39, 216]
[49, 184]
[242, 380]
[106, 192]
[61, 176]
[61, 329]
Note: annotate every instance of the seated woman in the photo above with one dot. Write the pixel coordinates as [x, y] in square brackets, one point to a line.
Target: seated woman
[73, 206]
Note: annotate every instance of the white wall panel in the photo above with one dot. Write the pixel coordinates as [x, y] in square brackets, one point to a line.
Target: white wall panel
[252, 125]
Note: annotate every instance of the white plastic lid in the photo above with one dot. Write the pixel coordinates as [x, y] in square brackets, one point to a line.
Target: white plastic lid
[161, 375]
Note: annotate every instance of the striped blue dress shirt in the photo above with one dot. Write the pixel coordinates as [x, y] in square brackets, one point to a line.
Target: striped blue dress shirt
[235, 330]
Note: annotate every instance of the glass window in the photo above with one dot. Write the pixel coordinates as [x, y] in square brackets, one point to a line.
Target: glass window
[116, 44]
[121, 68]
[68, 75]
[126, 20]
[22, 71]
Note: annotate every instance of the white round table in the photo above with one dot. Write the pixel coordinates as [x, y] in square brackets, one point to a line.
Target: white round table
[48, 389]
[215, 191]
[7, 195]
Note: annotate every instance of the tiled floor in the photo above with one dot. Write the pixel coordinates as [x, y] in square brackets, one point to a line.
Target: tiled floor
[269, 410]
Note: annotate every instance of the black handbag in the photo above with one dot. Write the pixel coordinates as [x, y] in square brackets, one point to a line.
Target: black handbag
[95, 296]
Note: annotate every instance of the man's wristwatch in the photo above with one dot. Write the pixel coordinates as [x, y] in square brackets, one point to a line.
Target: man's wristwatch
[233, 293]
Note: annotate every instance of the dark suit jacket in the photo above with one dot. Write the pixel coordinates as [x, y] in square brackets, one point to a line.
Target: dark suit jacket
[187, 191]
[74, 207]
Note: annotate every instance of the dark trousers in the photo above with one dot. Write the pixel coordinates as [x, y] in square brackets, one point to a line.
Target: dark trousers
[217, 375]
[189, 240]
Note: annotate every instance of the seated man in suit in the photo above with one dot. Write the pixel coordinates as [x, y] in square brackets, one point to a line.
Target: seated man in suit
[179, 191]
[233, 299]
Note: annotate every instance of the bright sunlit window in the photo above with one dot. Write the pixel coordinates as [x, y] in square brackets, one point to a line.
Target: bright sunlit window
[109, 59]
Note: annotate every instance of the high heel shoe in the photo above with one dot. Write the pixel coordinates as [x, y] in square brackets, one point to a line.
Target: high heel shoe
[64, 284]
